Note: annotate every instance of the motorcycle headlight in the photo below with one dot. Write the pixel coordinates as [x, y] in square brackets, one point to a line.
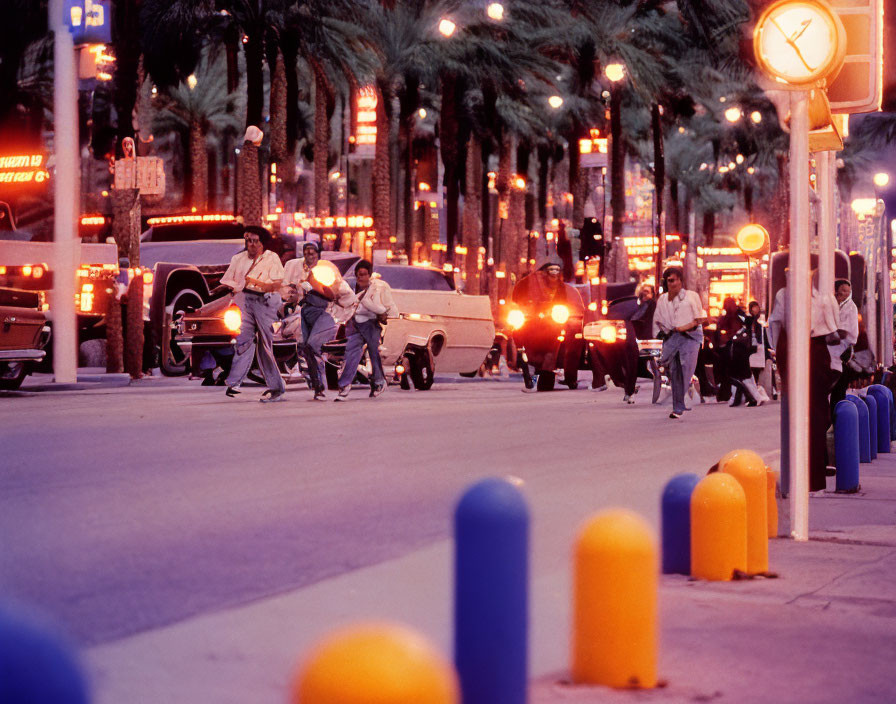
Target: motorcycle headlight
[608, 333]
[560, 314]
[516, 318]
[233, 319]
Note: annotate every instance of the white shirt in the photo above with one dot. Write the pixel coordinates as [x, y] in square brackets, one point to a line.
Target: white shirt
[849, 321]
[375, 301]
[824, 318]
[685, 308]
[266, 268]
[342, 307]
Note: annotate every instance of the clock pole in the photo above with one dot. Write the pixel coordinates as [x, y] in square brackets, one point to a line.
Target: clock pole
[799, 328]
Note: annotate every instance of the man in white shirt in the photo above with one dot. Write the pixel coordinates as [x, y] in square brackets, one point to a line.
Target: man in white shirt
[848, 333]
[375, 302]
[678, 319]
[255, 276]
[324, 304]
[823, 370]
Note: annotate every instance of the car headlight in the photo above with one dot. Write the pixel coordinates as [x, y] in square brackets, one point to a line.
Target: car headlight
[233, 319]
[516, 318]
[560, 314]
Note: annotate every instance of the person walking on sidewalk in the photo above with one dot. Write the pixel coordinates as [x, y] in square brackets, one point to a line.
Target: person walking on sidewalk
[374, 305]
[325, 304]
[848, 332]
[678, 319]
[255, 276]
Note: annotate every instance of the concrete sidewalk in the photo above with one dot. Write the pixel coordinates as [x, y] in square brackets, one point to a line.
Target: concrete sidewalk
[823, 631]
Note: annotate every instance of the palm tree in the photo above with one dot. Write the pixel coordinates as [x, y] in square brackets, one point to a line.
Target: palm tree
[200, 107]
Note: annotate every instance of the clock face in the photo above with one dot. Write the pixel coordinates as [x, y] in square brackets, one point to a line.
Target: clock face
[799, 41]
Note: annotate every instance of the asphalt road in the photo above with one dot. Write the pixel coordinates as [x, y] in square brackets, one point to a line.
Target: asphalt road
[125, 510]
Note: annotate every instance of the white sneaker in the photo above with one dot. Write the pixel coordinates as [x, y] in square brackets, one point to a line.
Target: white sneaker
[627, 399]
[378, 389]
[343, 394]
[599, 388]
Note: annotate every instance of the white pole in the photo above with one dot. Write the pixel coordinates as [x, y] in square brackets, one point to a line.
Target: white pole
[826, 223]
[67, 186]
[799, 316]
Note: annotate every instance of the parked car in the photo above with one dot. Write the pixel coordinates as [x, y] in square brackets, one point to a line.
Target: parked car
[24, 334]
[437, 330]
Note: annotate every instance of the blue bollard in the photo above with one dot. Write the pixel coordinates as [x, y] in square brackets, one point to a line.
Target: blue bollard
[38, 664]
[864, 430]
[676, 510]
[491, 573]
[883, 416]
[871, 402]
[846, 446]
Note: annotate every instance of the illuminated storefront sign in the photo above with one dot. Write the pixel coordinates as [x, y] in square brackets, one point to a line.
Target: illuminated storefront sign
[90, 21]
[364, 134]
[23, 169]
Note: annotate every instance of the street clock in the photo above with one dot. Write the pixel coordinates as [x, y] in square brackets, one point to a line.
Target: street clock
[799, 42]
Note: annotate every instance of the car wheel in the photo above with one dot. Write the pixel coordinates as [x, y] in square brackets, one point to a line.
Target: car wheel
[12, 375]
[422, 371]
[168, 365]
[546, 381]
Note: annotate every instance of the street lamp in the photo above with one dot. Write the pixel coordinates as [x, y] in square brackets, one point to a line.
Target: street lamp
[191, 81]
[555, 101]
[881, 179]
[733, 114]
[615, 72]
[446, 27]
[756, 117]
[495, 11]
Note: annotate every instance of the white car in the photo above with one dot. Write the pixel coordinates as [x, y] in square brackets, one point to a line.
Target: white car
[438, 329]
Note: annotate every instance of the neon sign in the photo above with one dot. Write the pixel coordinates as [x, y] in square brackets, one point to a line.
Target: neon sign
[89, 20]
[23, 169]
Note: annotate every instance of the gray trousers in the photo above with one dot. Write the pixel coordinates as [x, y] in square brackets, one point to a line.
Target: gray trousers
[680, 359]
[259, 314]
[361, 334]
[322, 330]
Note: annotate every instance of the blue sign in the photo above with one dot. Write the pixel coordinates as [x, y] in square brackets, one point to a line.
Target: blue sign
[90, 21]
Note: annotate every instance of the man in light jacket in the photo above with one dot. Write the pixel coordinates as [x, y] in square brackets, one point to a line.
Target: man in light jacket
[374, 304]
[679, 317]
[326, 302]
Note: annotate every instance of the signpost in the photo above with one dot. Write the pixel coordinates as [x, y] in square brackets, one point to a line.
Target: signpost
[799, 44]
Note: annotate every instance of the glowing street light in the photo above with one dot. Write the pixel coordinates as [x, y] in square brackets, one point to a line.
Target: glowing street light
[756, 116]
[555, 101]
[881, 179]
[495, 11]
[615, 72]
[422, 113]
[752, 238]
[191, 81]
[733, 114]
[446, 27]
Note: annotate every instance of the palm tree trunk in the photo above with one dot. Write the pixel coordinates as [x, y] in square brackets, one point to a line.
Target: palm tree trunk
[659, 185]
[449, 134]
[199, 166]
[472, 229]
[321, 145]
[249, 195]
[382, 172]
[673, 219]
[577, 180]
[277, 110]
[254, 50]
[505, 244]
[406, 140]
[617, 163]
[544, 169]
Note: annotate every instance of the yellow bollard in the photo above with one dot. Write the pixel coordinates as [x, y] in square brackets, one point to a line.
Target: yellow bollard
[771, 478]
[749, 469]
[718, 528]
[375, 662]
[614, 640]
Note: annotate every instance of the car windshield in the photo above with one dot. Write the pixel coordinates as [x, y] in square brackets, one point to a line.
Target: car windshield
[413, 278]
